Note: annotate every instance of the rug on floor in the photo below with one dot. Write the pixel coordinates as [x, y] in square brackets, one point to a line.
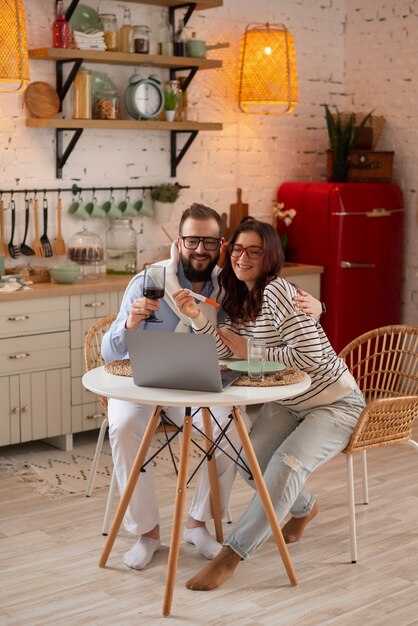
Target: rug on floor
[57, 473]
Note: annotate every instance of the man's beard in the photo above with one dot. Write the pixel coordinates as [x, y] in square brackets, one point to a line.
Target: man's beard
[198, 276]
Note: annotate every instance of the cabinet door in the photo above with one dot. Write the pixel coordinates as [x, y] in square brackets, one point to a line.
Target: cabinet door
[90, 306]
[9, 410]
[87, 416]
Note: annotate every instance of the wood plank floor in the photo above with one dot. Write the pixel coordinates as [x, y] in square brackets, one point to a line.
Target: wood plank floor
[49, 551]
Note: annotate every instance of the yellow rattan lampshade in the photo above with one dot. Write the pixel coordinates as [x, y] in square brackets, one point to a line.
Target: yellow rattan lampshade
[267, 81]
[14, 67]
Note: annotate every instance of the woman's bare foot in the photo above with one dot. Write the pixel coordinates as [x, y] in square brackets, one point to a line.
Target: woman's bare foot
[216, 572]
[293, 529]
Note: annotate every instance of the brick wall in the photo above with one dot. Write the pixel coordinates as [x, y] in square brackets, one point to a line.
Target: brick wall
[255, 153]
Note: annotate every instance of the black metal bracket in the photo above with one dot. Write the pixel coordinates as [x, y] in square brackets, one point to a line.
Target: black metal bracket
[61, 87]
[174, 157]
[62, 155]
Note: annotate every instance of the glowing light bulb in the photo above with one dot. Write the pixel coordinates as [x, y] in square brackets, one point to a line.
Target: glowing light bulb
[267, 50]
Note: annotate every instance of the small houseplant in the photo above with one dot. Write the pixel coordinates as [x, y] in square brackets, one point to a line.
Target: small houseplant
[343, 136]
[164, 195]
[171, 102]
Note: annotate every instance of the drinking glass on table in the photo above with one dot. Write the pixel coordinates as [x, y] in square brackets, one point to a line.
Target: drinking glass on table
[154, 286]
[256, 358]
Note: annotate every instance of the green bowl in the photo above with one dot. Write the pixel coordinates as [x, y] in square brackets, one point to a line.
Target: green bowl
[65, 274]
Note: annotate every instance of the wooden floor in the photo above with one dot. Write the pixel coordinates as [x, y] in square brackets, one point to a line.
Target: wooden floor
[49, 551]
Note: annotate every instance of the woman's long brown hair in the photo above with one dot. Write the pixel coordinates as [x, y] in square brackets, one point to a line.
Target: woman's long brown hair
[240, 304]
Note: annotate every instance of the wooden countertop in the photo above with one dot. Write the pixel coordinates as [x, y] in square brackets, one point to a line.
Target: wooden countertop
[116, 283]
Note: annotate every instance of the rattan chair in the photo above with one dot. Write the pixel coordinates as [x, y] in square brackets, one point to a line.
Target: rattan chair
[384, 363]
[93, 358]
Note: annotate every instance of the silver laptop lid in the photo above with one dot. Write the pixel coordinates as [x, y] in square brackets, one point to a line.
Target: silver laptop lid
[174, 360]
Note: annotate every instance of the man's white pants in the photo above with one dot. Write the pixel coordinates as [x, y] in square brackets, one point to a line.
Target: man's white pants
[127, 424]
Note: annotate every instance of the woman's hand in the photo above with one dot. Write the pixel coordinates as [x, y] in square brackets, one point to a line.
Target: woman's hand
[237, 344]
[186, 303]
[307, 303]
[140, 309]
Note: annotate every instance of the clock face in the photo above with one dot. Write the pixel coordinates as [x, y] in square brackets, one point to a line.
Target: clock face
[148, 99]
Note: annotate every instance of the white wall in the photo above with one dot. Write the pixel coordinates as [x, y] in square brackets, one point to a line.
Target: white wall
[256, 153]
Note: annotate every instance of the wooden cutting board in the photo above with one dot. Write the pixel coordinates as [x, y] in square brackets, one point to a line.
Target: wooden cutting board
[238, 210]
[41, 100]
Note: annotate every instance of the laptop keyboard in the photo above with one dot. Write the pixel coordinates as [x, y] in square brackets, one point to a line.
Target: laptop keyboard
[228, 377]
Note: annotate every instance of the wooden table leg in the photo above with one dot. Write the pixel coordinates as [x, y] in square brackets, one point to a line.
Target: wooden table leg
[264, 495]
[213, 475]
[180, 502]
[130, 485]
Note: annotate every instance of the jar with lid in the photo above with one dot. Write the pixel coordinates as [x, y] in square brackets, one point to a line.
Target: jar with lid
[82, 109]
[121, 247]
[86, 248]
[106, 105]
[142, 38]
[110, 30]
[126, 33]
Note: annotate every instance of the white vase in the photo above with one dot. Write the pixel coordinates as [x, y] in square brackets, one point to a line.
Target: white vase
[162, 211]
[169, 116]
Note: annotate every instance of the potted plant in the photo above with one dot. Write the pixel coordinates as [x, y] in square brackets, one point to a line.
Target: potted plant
[343, 133]
[164, 196]
[171, 102]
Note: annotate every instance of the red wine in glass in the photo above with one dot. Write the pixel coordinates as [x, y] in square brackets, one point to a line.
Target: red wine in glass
[154, 287]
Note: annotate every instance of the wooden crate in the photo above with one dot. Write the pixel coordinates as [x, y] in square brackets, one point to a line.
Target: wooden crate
[366, 166]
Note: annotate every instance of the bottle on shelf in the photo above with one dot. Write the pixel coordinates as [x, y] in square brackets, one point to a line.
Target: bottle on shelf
[165, 36]
[110, 30]
[60, 28]
[126, 33]
[82, 95]
[180, 44]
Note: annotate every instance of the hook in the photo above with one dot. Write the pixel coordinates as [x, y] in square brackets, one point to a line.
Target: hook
[59, 194]
[44, 194]
[35, 192]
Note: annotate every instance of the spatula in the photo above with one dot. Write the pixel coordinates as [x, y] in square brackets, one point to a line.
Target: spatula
[59, 245]
[24, 248]
[4, 251]
[46, 244]
[37, 245]
[14, 250]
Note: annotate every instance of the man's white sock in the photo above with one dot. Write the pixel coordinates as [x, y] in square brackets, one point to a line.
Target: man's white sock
[205, 544]
[142, 552]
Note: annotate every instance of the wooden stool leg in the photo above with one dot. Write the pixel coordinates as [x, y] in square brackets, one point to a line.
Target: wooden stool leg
[130, 485]
[173, 554]
[264, 495]
[213, 476]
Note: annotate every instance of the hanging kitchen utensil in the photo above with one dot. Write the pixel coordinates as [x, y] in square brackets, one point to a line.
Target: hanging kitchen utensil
[37, 244]
[46, 244]
[24, 248]
[238, 210]
[59, 245]
[14, 250]
[4, 250]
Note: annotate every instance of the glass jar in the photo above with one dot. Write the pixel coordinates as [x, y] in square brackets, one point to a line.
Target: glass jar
[82, 109]
[86, 248]
[106, 105]
[121, 247]
[126, 33]
[142, 38]
[110, 30]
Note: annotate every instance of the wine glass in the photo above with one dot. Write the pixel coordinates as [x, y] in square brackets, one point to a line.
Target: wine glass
[154, 286]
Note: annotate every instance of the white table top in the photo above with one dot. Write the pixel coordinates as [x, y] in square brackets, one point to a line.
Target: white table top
[123, 388]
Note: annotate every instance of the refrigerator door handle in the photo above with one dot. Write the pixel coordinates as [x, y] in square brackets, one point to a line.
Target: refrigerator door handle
[348, 265]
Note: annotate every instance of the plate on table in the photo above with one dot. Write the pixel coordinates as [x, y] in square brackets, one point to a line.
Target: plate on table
[242, 366]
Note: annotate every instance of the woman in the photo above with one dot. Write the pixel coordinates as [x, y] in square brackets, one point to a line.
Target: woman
[291, 438]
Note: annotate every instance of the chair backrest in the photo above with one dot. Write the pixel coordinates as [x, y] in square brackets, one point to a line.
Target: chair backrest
[384, 361]
[92, 346]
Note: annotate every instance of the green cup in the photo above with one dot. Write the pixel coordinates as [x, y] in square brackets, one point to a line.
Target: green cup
[111, 209]
[78, 209]
[128, 208]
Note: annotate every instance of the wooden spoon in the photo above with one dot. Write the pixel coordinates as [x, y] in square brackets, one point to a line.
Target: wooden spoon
[4, 250]
[59, 245]
[37, 244]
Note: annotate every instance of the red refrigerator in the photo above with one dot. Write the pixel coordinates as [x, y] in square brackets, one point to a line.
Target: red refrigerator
[355, 231]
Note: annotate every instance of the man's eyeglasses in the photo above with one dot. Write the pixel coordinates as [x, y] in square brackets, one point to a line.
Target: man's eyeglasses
[209, 243]
[252, 252]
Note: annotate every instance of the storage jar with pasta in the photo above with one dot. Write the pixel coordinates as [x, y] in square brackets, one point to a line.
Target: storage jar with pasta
[106, 105]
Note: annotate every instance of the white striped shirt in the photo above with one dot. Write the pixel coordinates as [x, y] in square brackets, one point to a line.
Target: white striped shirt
[294, 339]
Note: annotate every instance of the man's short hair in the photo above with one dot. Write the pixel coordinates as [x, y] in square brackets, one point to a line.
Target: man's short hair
[200, 212]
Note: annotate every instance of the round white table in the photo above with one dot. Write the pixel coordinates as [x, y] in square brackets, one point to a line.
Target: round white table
[123, 388]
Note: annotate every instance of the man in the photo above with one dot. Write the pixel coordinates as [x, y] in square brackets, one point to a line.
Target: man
[193, 265]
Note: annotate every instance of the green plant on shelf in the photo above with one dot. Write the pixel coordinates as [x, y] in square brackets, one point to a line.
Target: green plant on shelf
[166, 192]
[171, 99]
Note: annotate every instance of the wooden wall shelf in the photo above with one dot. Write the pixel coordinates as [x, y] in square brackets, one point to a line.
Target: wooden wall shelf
[70, 124]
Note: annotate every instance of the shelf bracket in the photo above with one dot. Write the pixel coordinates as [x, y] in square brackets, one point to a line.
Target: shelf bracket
[61, 87]
[176, 158]
[188, 80]
[61, 154]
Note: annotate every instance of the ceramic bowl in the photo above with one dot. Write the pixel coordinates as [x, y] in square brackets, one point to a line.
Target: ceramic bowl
[65, 274]
[84, 19]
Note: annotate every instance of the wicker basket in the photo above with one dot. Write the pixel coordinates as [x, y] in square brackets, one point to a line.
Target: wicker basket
[29, 273]
[366, 166]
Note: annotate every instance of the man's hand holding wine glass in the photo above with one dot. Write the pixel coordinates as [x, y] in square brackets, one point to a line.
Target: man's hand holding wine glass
[140, 310]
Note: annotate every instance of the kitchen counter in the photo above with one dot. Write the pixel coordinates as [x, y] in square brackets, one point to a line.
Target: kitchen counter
[108, 283]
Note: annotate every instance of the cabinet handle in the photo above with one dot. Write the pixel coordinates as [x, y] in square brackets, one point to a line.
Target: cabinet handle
[16, 411]
[95, 304]
[25, 409]
[348, 265]
[95, 416]
[21, 355]
[18, 318]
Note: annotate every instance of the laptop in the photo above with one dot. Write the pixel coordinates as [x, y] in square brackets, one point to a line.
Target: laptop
[176, 361]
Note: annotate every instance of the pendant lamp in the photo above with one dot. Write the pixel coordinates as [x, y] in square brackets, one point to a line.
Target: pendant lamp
[267, 80]
[14, 67]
